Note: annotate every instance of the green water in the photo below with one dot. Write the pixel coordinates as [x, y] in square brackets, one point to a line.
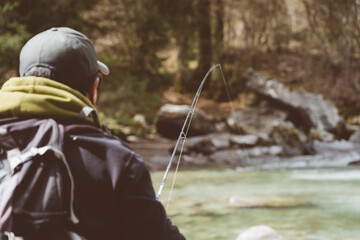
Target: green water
[199, 204]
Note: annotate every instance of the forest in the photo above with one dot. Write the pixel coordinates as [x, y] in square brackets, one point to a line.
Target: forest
[152, 46]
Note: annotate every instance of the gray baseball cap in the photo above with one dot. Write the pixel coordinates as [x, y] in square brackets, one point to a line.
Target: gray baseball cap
[67, 52]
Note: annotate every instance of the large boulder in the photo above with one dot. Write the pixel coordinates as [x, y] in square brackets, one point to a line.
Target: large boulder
[258, 121]
[306, 110]
[170, 119]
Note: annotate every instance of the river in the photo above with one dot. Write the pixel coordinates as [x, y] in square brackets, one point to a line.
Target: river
[329, 200]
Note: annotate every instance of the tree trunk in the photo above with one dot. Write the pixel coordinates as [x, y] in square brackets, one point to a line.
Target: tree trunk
[205, 48]
[219, 29]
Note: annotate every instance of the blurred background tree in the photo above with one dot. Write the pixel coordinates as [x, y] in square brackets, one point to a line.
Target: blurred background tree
[154, 45]
[21, 19]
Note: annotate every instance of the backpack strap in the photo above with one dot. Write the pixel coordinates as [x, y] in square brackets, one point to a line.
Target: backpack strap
[85, 112]
[7, 143]
[9, 236]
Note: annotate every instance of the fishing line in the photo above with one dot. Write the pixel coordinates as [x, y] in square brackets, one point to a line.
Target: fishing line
[175, 173]
[237, 127]
[183, 142]
[183, 133]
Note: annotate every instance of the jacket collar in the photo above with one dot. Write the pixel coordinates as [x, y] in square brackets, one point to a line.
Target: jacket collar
[42, 97]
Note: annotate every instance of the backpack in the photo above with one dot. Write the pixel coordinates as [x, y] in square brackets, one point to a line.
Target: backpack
[36, 184]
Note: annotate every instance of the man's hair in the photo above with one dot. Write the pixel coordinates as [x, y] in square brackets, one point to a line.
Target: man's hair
[63, 55]
[48, 73]
[40, 72]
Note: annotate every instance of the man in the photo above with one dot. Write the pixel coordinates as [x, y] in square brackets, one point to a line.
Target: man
[113, 194]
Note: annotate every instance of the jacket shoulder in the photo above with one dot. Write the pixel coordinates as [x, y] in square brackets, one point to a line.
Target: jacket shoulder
[92, 134]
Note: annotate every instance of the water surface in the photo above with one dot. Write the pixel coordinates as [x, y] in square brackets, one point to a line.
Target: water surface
[199, 203]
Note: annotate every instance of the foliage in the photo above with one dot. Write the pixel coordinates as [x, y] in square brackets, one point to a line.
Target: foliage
[12, 36]
[20, 19]
[123, 95]
[310, 44]
[122, 100]
[334, 25]
[135, 31]
[264, 23]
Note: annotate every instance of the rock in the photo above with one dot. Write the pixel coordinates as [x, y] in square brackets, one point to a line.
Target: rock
[220, 141]
[321, 135]
[261, 232]
[171, 118]
[194, 160]
[258, 121]
[286, 131]
[354, 163]
[139, 118]
[205, 144]
[229, 156]
[338, 146]
[257, 202]
[265, 151]
[306, 110]
[132, 138]
[293, 141]
[221, 127]
[200, 144]
[244, 140]
[355, 138]
[244, 157]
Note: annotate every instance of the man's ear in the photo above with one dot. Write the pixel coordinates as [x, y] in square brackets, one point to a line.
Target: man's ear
[92, 95]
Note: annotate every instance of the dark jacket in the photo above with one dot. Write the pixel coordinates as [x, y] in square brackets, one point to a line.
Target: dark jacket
[113, 197]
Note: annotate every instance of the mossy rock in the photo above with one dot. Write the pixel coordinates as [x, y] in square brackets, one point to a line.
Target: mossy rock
[265, 202]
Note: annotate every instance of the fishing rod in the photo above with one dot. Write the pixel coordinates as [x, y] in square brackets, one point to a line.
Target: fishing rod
[184, 131]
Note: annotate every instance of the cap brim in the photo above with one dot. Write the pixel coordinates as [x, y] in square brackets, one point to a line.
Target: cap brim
[103, 68]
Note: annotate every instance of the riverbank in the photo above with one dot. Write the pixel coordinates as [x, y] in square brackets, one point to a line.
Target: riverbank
[157, 153]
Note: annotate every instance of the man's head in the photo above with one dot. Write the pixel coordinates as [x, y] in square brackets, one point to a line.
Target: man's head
[64, 55]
